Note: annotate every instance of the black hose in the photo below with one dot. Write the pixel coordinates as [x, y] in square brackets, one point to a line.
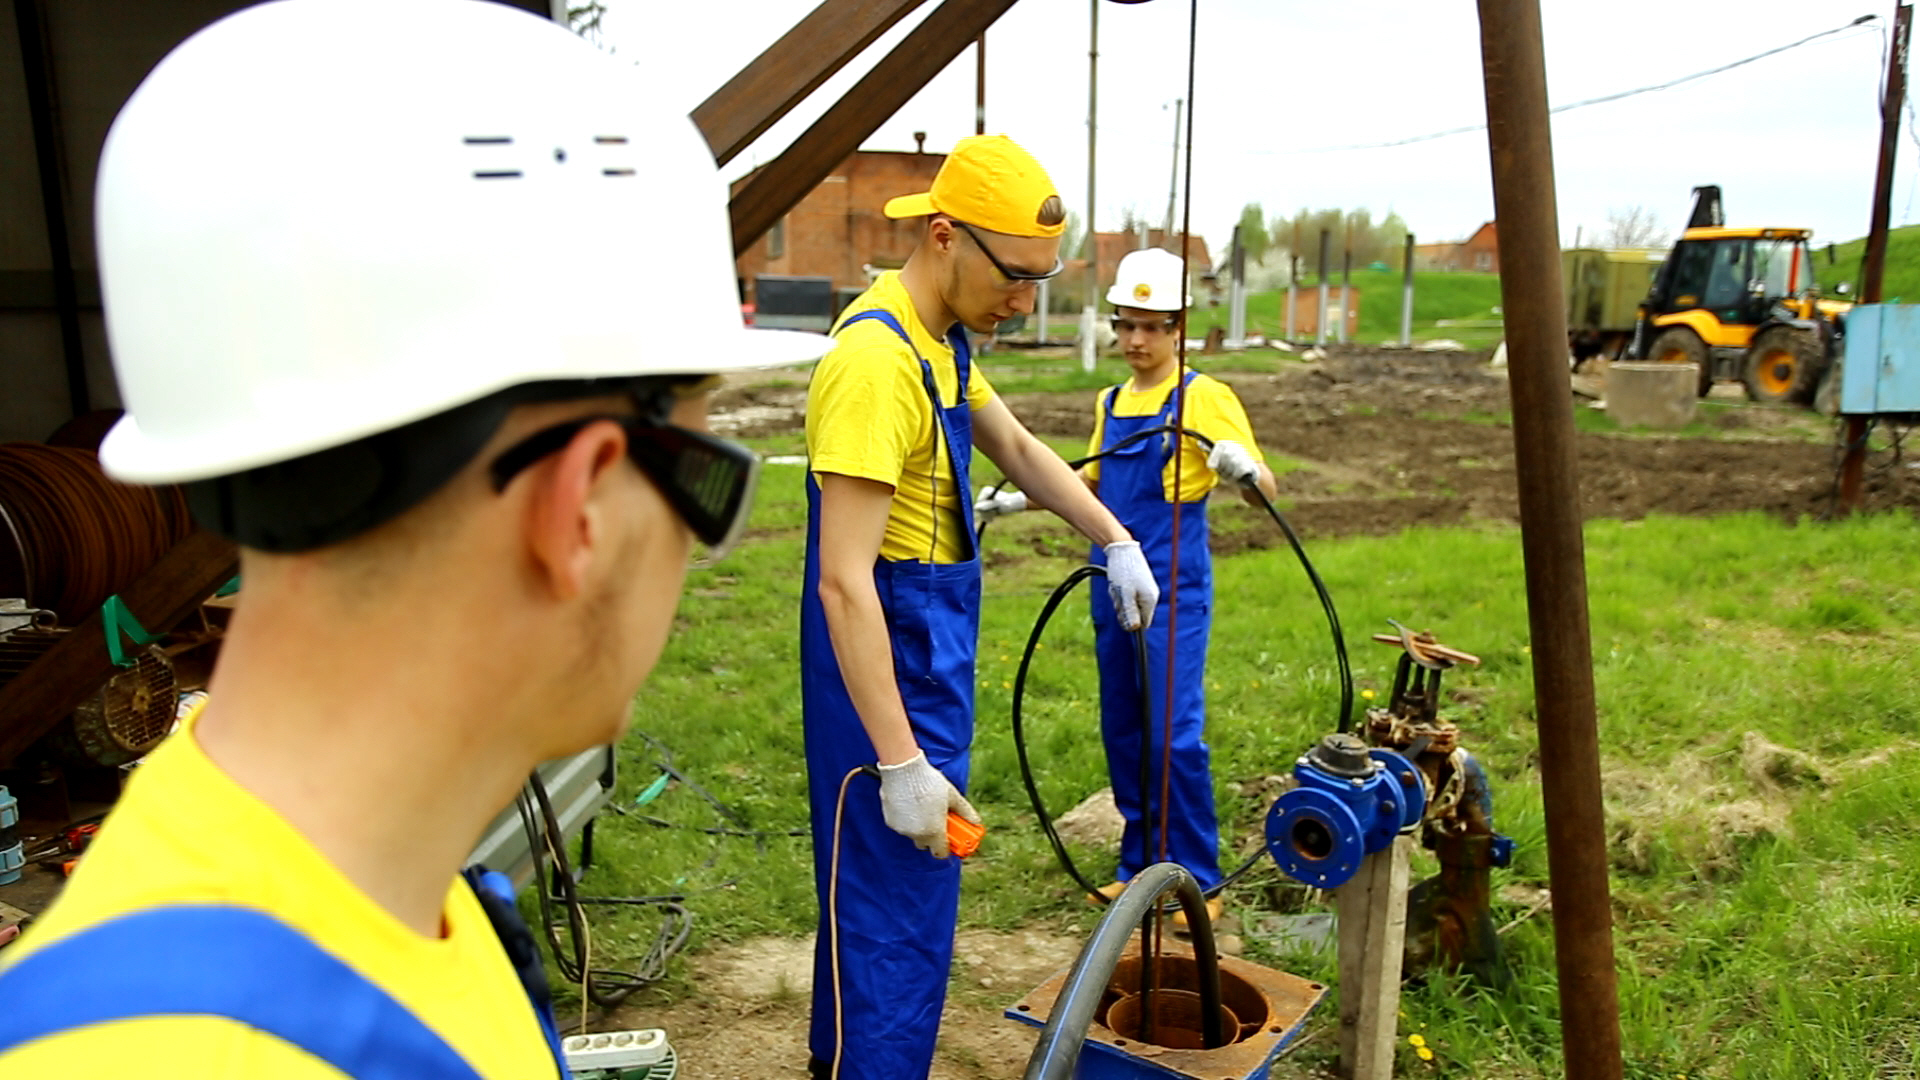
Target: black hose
[1058, 1049]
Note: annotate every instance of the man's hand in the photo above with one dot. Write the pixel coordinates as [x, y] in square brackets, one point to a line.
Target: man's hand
[914, 800]
[1130, 581]
[992, 504]
[1233, 463]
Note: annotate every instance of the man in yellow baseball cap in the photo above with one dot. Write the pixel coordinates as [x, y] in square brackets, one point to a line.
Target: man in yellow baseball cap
[890, 608]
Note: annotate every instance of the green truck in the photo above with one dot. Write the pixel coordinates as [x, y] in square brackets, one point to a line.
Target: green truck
[1604, 291]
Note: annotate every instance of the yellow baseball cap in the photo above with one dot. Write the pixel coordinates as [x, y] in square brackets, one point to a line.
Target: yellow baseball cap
[991, 182]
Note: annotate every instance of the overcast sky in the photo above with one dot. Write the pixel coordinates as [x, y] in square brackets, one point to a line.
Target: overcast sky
[1792, 139]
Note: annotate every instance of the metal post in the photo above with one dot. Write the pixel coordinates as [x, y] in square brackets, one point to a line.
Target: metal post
[1320, 324]
[1346, 284]
[1521, 148]
[1853, 464]
[1040, 315]
[980, 86]
[36, 59]
[1088, 354]
[1236, 292]
[1173, 183]
[1406, 296]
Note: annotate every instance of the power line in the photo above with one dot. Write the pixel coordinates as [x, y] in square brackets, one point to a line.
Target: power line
[1669, 84]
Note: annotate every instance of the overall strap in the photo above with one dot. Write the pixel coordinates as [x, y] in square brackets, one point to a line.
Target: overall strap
[226, 961]
[962, 370]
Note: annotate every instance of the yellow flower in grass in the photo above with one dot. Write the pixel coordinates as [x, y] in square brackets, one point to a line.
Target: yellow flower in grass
[1366, 695]
[1417, 1040]
[1424, 1053]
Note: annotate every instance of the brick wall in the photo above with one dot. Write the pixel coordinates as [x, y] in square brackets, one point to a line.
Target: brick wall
[838, 229]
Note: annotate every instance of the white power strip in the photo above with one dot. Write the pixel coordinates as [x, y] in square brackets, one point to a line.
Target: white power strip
[615, 1050]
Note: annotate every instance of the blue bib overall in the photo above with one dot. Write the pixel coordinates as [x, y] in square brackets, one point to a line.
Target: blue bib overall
[1131, 487]
[896, 904]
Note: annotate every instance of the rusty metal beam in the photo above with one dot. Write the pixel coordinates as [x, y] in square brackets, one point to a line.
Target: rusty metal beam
[791, 68]
[76, 666]
[922, 54]
[1521, 148]
[36, 64]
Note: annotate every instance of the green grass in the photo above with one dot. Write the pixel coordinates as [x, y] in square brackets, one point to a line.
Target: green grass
[1901, 279]
[1767, 919]
[1437, 295]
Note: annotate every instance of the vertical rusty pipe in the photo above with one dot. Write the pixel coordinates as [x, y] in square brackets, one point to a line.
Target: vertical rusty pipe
[1874, 261]
[980, 86]
[36, 61]
[1523, 196]
[1873, 264]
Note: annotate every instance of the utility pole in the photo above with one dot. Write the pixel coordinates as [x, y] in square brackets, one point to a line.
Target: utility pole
[1874, 262]
[980, 85]
[1173, 184]
[1088, 353]
[1293, 277]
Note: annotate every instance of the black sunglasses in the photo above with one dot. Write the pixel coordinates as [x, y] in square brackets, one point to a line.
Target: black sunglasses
[1013, 276]
[706, 479]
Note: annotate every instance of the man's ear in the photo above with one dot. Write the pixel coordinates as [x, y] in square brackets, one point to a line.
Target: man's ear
[941, 233]
[566, 519]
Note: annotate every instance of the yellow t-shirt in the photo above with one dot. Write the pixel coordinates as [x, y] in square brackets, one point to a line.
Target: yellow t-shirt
[1211, 408]
[868, 416]
[185, 832]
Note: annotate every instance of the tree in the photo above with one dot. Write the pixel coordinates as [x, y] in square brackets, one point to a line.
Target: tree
[1253, 231]
[1634, 227]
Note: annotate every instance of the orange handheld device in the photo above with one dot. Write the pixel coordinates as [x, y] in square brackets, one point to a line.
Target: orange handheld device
[963, 836]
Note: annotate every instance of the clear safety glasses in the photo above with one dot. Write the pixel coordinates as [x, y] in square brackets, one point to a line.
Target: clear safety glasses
[707, 480]
[1122, 325]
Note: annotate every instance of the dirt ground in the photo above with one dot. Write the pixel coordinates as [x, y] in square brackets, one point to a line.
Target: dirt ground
[1391, 438]
[1387, 439]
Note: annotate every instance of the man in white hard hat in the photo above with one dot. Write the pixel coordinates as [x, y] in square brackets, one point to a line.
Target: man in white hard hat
[1135, 474]
[372, 275]
[891, 604]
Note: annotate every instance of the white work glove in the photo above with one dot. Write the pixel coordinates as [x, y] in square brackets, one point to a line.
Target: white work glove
[914, 800]
[1130, 582]
[1233, 463]
[992, 504]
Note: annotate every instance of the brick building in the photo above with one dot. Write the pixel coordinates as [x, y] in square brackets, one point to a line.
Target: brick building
[838, 231]
[1481, 251]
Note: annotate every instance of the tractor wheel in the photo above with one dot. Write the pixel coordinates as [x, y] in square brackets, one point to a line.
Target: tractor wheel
[1679, 345]
[1785, 365]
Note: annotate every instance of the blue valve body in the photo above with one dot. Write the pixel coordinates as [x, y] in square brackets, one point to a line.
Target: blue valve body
[1319, 831]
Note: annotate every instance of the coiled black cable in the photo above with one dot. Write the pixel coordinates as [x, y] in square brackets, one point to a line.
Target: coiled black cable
[1345, 670]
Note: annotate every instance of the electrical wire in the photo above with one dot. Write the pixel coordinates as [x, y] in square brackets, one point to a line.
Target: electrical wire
[1466, 129]
[558, 885]
[1059, 595]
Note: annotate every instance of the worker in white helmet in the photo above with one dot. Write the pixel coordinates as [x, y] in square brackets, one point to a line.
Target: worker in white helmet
[1134, 473]
[383, 283]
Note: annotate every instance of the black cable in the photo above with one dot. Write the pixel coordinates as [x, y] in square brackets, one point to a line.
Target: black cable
[1081, 573]
[605, 987]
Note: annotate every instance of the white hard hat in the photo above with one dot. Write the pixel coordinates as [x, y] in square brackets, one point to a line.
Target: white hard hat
[324, 219]
[1153, 279]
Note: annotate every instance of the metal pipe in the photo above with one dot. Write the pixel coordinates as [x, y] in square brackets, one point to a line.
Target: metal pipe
[36, 64]
[1406, 296]
[1058, 1049]
[1173, 182]
[1346, 284]
[1874, 262]
[1853, 463]
[1088, 353]
[1320, 323]
[1521, 148]
[980, 86]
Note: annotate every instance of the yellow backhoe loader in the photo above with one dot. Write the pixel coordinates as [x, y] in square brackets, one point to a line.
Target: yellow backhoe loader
[1742, 305]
